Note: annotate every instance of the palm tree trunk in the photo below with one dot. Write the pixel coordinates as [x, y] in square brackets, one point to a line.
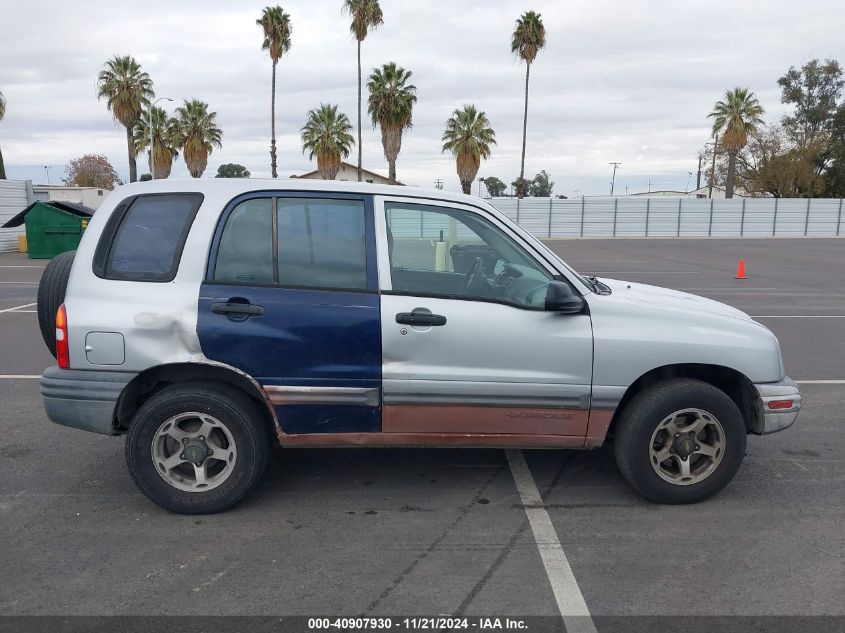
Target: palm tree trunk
[520, 191]
[273, 125]
[729, 186]
[2, 167]
[133, 167]
[359, 111]
[391, 172]
[466, 185]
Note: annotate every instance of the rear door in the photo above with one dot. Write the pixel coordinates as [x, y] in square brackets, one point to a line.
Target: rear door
[468, 345]
[291, 298]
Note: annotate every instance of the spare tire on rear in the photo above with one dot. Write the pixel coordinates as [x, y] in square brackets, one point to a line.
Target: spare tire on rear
[51, 294]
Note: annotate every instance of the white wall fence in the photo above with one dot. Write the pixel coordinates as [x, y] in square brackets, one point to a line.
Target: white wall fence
[676, 217]
[15, 196]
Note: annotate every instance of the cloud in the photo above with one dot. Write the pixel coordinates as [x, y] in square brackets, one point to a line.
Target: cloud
[629, 82]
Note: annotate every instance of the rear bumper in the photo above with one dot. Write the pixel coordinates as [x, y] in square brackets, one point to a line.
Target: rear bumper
[778, 419]
[83, 399]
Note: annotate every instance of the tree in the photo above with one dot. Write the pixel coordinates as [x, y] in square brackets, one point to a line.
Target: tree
[2, 114]
[468, 137]
[495, 187]
[541, 186]
[91, 170]
[366, 15]
[127, 90]
[814, 91]
[835, 172]
[276, 25]
[165, 140]
[391, 105]
[326, 136]
[232, 170]
[736, 118]
[529, 37]
[197, 133]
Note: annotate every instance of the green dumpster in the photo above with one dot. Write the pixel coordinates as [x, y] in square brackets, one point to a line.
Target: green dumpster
[52, 227]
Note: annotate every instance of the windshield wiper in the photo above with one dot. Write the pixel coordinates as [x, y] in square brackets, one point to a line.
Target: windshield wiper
[599, 287]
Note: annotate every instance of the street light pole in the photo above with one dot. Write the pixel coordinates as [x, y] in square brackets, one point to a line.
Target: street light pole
[613, 180]
[152, 146]
[715, 145]
[47, 169]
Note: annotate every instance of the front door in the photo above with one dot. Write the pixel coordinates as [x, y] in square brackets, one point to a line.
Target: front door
[467, 345]
[291, 298]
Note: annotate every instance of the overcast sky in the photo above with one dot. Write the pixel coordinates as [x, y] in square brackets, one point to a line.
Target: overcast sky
[618, 81]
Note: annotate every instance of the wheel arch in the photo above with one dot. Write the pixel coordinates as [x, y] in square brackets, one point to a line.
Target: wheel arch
[736, 385]
[152, 380]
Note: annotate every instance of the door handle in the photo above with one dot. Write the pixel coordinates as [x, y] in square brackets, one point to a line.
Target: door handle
[420, 318]
[237, 309]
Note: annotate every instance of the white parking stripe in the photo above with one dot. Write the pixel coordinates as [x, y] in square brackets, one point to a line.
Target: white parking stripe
[820, 382]
[570, 601]
[20, 283]
[20, 376]
[26, 305]
[798, 316]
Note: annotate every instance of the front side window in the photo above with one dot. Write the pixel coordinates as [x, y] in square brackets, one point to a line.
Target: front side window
[460, 254]
[310, 243]
[148, 237]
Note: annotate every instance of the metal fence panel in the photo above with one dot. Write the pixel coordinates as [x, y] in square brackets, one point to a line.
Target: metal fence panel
[14, 198]
[824, 214]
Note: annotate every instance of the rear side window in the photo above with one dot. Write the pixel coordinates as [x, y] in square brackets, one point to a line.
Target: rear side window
[143, 239]
[245, 254]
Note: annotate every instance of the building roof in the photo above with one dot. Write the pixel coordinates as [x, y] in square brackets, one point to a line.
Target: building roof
[348, 166]
[70, 207]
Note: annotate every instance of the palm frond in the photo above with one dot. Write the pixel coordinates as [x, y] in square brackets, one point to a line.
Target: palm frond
[365, 14]
[529, 36]
[277, 28]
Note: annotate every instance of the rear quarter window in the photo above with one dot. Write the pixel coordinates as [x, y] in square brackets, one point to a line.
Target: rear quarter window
[144, 237]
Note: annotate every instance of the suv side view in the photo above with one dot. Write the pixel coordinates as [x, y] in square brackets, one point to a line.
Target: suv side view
[204, 320]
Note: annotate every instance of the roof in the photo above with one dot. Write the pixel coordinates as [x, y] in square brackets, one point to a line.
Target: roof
[70, 207]
[348, 166]
[232, 187]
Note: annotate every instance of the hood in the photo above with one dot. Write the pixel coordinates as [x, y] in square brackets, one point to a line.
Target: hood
[664, 297]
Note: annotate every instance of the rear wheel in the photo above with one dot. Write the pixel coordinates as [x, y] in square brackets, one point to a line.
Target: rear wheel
[194, 448]
[51, 294]
[680, 441]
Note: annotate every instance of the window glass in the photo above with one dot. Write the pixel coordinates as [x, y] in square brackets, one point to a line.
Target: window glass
[151, 236]
[245, 254]
[460, 254]
[322, 243]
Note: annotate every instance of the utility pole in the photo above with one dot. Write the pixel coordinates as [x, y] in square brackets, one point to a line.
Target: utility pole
[698, 179]
[649, 185]
[47, 169]
[438, 183]
[613, 180]
[715, 145]
[689, 177]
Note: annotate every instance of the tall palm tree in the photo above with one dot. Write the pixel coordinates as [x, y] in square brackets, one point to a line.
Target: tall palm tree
[197, 133]
[277, 29]
[529, 37]
[468, 137]
[366, 15]
[127, 90]
[326, 136]
[391, 105]
[2, 114]
[736, 118]
[165, 140]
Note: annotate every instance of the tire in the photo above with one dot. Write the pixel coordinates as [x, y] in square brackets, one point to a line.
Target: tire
[51, 294]
[245, 453]
[645, 433]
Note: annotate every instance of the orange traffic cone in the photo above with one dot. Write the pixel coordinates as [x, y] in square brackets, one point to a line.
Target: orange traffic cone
[740, 270]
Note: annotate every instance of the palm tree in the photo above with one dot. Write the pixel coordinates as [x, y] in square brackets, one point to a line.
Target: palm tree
[468, 136]
[165, 140]
[390, 105]
[365, 14]
[529, 37]
[277, 29]
[736, 117]
[127, 90]
[197, 133]
[326, 136]
[2, 114]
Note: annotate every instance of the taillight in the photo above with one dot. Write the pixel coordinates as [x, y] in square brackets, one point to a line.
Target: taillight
[780, 404]
[62, 355]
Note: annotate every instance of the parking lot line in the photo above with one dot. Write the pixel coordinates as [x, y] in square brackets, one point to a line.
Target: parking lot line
[20, 376]
[26, 305]
[20, 283]
[798, 316]
[570, 601]
[820, 382]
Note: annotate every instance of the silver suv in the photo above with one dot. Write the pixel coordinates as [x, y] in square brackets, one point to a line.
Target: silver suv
[206, 319]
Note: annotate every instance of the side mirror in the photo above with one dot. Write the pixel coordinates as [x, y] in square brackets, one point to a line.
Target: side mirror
[561, 299]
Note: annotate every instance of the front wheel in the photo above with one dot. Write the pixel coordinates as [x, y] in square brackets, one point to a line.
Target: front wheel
[680, 441]
[196, 449]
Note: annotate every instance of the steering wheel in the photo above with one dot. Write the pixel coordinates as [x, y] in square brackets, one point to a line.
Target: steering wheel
[474, 271]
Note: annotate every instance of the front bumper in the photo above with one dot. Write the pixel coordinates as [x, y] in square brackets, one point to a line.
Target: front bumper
[83, 399]
[780, 418]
